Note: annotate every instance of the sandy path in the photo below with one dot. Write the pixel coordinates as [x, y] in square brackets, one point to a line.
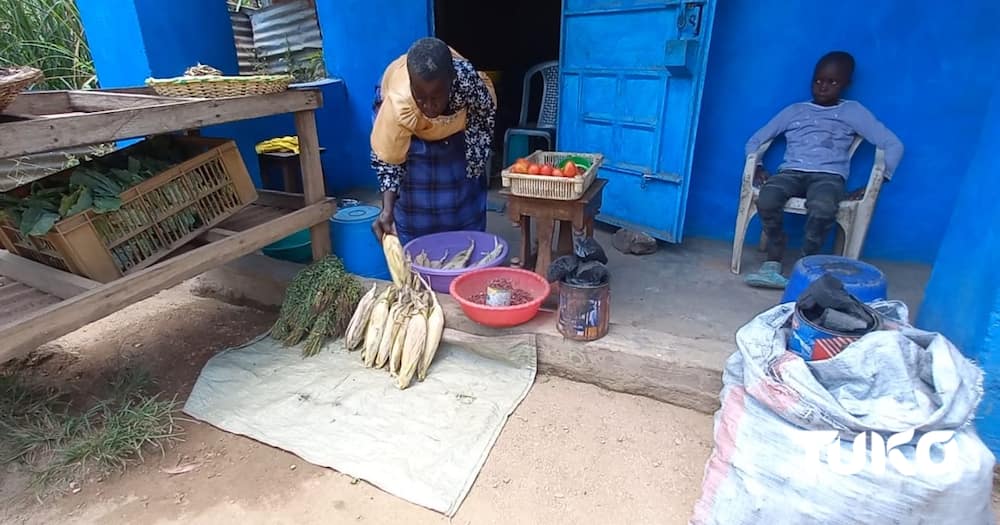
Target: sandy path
[572, 453]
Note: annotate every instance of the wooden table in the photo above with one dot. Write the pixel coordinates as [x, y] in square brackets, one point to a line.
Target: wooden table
[43, 121]
[571, 216]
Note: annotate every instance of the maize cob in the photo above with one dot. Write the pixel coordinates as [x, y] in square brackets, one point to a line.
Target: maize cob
[435, 328]
[376, 325]
[399, 338]
[461, 259]
[388, 334]
[398, 266]
[413, 349]
[354, 337]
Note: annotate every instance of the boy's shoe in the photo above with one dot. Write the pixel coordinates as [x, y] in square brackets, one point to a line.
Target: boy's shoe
[769, 276]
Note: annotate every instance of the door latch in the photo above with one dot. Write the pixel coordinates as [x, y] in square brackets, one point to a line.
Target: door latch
[689, 19]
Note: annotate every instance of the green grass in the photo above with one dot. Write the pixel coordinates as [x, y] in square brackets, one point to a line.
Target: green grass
[41, 430]
[48, 35]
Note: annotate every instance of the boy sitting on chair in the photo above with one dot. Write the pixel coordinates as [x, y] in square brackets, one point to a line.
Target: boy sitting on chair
[817, 161]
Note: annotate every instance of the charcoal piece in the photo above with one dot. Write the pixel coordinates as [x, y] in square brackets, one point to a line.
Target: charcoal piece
[562, 267]
[591, 273]
[828, 293]
[588, 249]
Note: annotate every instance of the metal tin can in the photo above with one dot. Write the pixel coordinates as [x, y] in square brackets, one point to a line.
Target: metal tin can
[497, 296]
[815, 343]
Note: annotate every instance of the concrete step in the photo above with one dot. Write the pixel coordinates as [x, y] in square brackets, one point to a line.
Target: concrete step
[681, 371]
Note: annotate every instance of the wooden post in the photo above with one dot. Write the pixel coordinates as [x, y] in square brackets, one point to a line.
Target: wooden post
[312, 178]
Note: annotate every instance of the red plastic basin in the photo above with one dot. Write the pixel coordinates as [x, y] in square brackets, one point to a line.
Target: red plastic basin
[474, 282]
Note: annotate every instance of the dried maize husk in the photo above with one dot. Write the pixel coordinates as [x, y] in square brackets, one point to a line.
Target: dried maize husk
[398, 266]
[422, 260]
[396, 350]
[376, 325]
[435, 328]
[388, 334]
[413, 349]
[461, 259]
[354, 336]
[490, 257]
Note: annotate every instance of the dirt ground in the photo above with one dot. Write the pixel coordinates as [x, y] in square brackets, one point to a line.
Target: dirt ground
[571, 453]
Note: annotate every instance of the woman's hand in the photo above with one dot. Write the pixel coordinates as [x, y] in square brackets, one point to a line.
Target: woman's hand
[386, 220]
[383, 224]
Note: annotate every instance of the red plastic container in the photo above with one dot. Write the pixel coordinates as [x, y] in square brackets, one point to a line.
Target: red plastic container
[474, 282]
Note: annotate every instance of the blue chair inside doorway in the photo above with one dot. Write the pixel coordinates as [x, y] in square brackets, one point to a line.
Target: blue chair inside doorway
[545, 126]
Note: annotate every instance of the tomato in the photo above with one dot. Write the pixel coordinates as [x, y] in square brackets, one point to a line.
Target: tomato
[570, 170]
[533, 169]
[558, 173]
[546, 170]
[521, 166]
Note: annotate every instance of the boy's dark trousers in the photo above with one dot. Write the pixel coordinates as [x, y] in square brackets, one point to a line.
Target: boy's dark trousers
[823, 193]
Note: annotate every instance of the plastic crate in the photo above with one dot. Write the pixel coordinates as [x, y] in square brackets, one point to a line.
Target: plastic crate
[554, 188]
[156, 217]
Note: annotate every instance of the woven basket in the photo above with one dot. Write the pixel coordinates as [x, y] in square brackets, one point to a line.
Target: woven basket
[15, 80]
[554, 188]
[219, 86]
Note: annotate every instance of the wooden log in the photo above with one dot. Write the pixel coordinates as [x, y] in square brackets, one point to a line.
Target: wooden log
[37, 136]
[39, 103]
[71, 314]
[313, 185]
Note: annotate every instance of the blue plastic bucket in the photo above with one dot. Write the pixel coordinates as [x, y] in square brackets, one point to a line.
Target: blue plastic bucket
[861, 280]
[354, 243]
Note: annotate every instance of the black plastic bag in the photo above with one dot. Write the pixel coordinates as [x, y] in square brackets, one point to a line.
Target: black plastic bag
[588, 249]
[592, 273]
[826, 299]
[562, 267]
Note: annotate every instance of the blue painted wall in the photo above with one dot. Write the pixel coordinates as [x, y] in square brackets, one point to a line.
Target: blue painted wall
[360, 38]
[963, 296]
[132, 40]
[924, 68]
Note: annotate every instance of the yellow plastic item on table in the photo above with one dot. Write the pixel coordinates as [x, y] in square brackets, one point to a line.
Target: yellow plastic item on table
[279, 145]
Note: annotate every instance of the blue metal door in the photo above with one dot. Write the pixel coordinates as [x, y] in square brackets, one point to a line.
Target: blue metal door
[632, 74]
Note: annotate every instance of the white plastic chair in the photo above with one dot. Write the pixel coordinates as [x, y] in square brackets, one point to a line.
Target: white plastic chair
[852, 218]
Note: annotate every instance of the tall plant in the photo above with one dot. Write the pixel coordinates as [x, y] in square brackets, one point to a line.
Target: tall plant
[48, 35]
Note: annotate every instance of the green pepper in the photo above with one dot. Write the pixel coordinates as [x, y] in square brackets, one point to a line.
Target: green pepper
[582, 163]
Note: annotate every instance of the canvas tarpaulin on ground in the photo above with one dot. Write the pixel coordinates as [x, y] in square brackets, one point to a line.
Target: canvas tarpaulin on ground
[425, 444]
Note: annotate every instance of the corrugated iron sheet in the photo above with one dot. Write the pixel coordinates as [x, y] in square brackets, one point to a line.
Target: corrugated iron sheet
[287, 35]
[20, 171]
[246, 55]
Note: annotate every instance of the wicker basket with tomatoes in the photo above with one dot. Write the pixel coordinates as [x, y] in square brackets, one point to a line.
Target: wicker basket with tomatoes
[552, 175]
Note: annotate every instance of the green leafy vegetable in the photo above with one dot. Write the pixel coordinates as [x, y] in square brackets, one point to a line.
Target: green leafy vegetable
[106, 204]
[83, 203]
[37, 221]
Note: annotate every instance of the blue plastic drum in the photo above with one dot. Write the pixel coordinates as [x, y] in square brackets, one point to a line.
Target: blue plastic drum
[861, 280]
[353, 242]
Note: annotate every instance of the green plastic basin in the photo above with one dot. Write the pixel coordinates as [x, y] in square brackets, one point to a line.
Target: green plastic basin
[296, 248]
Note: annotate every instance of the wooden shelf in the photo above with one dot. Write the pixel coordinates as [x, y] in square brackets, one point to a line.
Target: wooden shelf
[54, 303]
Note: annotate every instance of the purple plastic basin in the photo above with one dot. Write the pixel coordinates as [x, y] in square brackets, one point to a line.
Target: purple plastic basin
[438, 244]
